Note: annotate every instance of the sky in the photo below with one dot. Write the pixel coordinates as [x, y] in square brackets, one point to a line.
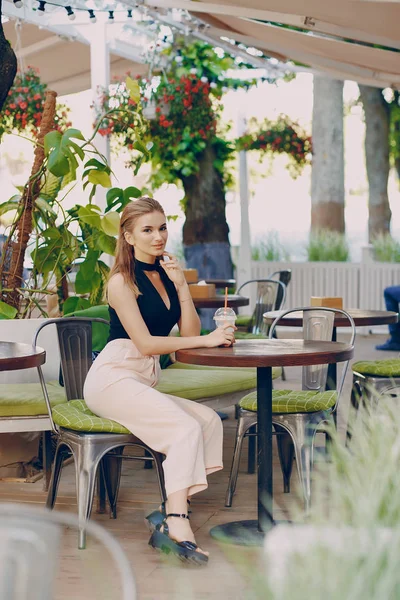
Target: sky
[277, 202]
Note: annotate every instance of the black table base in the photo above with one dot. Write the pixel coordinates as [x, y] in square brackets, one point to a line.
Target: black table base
[251, 533]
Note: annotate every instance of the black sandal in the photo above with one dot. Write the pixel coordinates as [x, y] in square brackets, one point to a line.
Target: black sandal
[156, 517]
[185, 551]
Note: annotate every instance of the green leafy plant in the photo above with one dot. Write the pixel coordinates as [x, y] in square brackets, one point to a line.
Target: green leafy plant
[325, 245]
[269, 248]
[187, 118]
[355, 515]
[386, 248]
[62, 238]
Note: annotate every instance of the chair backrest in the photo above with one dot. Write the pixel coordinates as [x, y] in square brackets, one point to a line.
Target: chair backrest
[267, 291]
[284, 276]
[30, 553]
[75, 343]
[318, 324]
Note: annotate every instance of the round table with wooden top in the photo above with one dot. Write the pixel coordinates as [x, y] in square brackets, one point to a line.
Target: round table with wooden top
[263, 354]
[360, 317]
[15, 356]
[234, 301]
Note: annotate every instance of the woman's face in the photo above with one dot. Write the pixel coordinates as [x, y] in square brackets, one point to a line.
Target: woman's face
[149, 236]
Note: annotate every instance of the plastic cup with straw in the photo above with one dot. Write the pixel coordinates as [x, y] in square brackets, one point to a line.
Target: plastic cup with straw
[225, 315]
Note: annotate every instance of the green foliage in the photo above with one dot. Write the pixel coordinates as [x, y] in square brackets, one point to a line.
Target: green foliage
[326, 245]
[22, 111]
[81, 234]
[386, 248]
[186, 109]
[356, 513]
[269, 248]
[280, 137]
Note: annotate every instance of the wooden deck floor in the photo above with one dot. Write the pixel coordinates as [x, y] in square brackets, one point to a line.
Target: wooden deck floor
[230, 574]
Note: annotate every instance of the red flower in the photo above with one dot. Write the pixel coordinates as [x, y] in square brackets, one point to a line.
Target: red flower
[23, 105]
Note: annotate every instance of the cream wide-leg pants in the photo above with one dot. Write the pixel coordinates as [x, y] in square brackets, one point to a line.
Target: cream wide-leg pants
[120, 386]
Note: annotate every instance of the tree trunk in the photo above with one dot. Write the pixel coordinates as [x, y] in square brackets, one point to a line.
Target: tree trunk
[205, 232]
[377, 127]
[8, 64]
[31, 191]
[327, 177]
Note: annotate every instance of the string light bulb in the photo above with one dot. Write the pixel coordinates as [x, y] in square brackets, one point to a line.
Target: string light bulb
[92, 16]
[111, 16]
[41, 8]
[18, 3]
[70, 13]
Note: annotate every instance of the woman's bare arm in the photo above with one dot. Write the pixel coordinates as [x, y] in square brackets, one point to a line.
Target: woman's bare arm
[123, 300]
[189, 323]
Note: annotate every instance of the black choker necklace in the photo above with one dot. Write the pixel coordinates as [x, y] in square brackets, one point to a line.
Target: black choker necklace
[147, 266]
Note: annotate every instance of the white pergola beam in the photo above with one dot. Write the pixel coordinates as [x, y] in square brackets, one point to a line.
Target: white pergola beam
[45, 44]
[301, 20]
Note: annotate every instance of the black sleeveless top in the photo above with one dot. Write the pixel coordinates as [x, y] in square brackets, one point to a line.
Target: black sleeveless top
[158, 318]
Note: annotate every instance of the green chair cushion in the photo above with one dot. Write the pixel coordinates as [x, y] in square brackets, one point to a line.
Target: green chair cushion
[389, 367]
[195, 384]
[76, 415]
[276, 371]
[244, 320]
[289, 401]
[26, 399]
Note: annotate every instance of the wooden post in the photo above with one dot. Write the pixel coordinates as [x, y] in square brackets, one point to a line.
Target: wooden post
[23, 231]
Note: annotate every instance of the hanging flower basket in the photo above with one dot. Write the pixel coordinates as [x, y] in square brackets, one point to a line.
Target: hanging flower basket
[22, 112]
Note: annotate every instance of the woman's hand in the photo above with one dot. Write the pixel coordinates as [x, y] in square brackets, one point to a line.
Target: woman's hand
[222, 336]
[173, 269]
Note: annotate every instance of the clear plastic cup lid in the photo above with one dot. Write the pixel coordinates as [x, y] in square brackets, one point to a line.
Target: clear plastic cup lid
[223, 312]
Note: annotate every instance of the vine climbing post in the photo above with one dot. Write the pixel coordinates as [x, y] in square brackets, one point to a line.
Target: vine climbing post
[23, 230]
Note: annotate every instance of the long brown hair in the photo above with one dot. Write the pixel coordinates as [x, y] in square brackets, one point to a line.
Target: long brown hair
[125, 255]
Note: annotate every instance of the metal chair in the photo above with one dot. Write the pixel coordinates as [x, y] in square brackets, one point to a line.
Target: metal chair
[284, 276]
[296, 429]
[88, 449]
[267, 292]
[371, 381]
[30, 544]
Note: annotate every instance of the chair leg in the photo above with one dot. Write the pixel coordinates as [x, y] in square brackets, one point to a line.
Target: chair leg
[303, 451]
[355, 400]
[47, 455]
[111, 469]
[101, 491]
[241, 429]
[59, 457]
[286, 454]
[86, 462]
[283, 376]
[158, 460]
[251, 456]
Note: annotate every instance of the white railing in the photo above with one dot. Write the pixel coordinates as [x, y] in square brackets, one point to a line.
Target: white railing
[360, 285]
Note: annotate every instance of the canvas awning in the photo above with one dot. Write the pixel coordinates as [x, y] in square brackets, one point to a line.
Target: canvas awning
[353, 22]
[335, 57]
